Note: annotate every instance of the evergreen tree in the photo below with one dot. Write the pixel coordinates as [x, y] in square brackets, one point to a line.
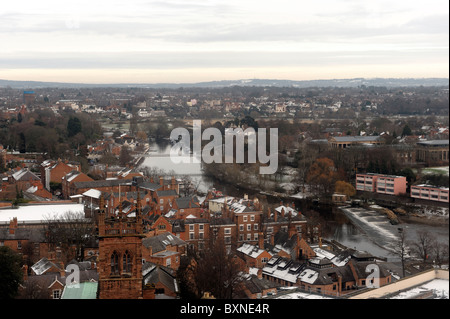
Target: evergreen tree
[11, 273]
[406, 131]
[73, 126]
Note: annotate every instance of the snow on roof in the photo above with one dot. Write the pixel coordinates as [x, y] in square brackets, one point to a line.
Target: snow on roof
[340, 261]
[283, 274]
[39, 212]
[18, 174]
[309, 276]
[222, 199]
[32, 189]
[70, 176]
[94, 193]
[321, 253]
[191, 216]
[250, 250]
[238, 207]
[287, 209]
[42, 266]
[171, 213]
[439, 286]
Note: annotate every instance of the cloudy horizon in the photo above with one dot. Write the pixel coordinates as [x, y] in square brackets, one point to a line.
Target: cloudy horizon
[192, 41]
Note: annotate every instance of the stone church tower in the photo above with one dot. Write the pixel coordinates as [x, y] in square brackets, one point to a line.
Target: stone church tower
[120, 254]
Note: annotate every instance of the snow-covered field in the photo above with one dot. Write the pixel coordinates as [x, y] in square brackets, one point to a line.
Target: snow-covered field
[436, 170]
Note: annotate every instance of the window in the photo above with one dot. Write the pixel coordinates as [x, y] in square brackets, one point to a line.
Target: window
[159, 291]
[252, 218]
[191, 235]
[127, 262]
[255, 226]
[114, 263]
[200, 226]
[241, 227]
[249, 237]
[56, 294]
[161, 201]
[191, 227]
[168, 262]
[227, 239]
[227, 231]
[255, 236]
[200, 236]
[249, 227]
[19, 244]
[244, 218]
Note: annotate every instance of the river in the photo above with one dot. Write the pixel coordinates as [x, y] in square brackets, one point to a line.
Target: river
[158, 157]
[358, 229]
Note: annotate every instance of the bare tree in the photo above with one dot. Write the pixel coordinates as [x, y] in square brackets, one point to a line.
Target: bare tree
[217, 270]
[401, 249]
[423, 246]
[70, 232]
[440, 253]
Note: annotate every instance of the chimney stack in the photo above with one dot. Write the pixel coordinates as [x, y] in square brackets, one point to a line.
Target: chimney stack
[62, 270]
[25, 272]
[13, 226]
[261, 240]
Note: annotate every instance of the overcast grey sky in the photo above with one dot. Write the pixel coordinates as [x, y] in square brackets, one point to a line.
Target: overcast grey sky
[190, 41]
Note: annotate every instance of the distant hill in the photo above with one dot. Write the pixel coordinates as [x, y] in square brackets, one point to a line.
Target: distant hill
[386, 82]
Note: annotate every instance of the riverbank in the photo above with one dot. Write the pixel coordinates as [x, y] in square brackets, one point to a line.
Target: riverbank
[437, 221]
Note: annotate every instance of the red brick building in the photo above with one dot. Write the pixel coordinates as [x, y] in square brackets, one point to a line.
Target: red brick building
[164, 249]
[53, 171]
[69, 181]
